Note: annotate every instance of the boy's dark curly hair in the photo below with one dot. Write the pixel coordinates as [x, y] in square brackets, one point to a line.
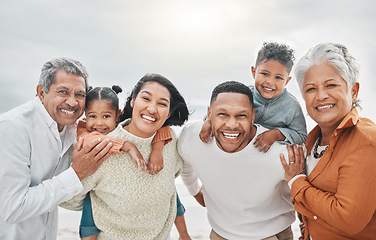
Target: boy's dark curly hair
[279, 52]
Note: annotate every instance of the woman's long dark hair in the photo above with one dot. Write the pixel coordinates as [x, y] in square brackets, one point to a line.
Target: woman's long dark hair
[178, 108]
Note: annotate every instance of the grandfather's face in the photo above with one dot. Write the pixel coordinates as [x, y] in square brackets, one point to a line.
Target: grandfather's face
[231, 117]
[65, 99]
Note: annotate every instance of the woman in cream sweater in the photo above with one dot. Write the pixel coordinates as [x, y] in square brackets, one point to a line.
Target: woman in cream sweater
[128, 204]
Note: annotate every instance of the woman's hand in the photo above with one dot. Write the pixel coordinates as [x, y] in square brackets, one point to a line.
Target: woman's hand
[296, 164]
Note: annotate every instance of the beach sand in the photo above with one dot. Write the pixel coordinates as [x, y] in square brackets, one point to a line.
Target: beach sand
[195, 216]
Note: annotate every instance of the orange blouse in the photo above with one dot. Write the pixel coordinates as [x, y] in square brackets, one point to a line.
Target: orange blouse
[338, 199]
[163, 134]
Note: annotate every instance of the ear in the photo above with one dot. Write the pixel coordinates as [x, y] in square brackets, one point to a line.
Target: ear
[253, 116]
[41, 93]
[118, 115]
[355, 91]
[132, 103]
[208, 113]
[288, 80]
[253, 70]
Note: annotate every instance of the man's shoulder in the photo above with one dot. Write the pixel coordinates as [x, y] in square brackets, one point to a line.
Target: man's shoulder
[190, 133]
[21, 113]
[192, 127]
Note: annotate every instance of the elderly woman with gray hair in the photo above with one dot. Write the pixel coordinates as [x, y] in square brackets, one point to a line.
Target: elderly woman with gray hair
[334, 186]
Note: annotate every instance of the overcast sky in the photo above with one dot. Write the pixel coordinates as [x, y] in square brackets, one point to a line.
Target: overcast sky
[196, 44]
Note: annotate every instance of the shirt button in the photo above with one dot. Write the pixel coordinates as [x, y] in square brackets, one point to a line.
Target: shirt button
[315, 217]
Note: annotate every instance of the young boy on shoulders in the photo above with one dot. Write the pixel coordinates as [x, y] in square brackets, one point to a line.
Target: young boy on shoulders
[276, 108]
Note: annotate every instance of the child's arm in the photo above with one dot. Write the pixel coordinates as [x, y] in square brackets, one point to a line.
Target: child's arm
[135, 154]
[155, 164]
[161, 138]
[295, 131]
[118, 145]
[205, 133]
[266, 139]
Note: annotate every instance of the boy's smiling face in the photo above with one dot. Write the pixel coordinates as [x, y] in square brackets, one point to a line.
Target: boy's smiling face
[270, 77]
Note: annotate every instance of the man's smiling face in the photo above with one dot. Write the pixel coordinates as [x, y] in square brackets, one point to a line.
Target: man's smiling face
[231, 116]
[65, 99]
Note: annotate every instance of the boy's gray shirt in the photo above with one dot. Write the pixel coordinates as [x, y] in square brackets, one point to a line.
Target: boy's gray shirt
[282, 112]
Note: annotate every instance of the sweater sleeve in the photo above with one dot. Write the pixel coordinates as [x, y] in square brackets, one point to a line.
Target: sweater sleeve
[188, 175]
[77, 201]
[163, 134]
[352, 206]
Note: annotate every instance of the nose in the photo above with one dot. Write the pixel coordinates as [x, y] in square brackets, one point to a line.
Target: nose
[152, 108]
[321, 94]
[231, 123]
[72, 101]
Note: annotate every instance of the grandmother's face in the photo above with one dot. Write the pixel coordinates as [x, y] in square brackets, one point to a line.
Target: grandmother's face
[327, 95]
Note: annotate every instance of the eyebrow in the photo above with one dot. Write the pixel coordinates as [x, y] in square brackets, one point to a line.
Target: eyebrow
[62, 87]
[164, 99]
[100, 112]
[65, 88]
[328, 80]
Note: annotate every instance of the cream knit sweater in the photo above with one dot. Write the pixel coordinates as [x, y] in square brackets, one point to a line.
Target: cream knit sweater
[129, 204]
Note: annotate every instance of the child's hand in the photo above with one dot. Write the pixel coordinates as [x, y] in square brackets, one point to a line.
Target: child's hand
[136, 155]
[266, 139]
[155, 164]
[206, 133]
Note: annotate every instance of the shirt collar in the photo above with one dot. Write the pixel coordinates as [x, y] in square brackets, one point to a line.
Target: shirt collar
[43, 112]
[70, 130]
[350, 120]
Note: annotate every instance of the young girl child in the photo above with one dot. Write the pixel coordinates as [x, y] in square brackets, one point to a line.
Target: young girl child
[102, 113]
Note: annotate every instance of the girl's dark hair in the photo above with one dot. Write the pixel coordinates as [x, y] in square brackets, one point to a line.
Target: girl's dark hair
[104, 93]
[178, 108]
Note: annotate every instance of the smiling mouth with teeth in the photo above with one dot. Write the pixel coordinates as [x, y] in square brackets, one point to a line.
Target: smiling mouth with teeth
[324, 107]
[67, 111]
[268, 89]
[231, 135]
[148, 118]
[100, 130]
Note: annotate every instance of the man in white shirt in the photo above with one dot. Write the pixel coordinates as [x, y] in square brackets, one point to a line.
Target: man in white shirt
[244, 190]
[39, 165]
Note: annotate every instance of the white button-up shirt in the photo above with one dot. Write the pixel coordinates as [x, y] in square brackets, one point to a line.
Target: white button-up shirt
[35, 172]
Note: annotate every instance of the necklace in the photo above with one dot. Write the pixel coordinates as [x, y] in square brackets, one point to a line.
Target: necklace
[318, 155]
